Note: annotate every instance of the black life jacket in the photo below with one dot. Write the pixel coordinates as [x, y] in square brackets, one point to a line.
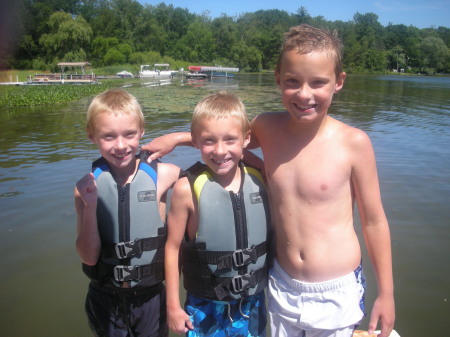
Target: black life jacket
[228, 258]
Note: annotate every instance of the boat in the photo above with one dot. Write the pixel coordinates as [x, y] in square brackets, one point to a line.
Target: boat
[216, 71]
[124, 74]
[156, 71]
[86, 77]
[194, 73]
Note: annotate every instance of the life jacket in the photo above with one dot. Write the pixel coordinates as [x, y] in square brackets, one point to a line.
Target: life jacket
[228, 258]
[131, 231]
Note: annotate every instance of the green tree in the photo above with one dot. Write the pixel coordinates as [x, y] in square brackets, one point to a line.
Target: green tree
[198, 45]
[67, 34]
[434, 54]
[113, 56]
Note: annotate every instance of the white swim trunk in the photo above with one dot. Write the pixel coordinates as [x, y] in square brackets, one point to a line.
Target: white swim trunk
[323, 309]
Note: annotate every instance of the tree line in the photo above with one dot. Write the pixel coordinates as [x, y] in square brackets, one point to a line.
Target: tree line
[110, 32]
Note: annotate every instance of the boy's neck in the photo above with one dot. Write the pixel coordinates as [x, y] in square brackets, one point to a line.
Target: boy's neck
[125, 175]
[310, 130]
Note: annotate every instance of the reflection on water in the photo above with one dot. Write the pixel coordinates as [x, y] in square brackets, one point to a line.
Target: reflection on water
[43, 151]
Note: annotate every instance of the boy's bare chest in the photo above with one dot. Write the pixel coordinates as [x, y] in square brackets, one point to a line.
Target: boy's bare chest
[313, 172]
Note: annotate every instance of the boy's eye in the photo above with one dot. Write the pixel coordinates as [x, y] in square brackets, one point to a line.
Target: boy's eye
[108, 137]
[231, 140]
[208, 141]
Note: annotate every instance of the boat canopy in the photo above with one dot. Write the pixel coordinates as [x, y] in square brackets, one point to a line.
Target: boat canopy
[207, 68]
[82, 65]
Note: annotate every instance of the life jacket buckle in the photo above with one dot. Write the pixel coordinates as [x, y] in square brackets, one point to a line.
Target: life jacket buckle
[240, 260]
[128, 249]
[123, 273]
[241, 282]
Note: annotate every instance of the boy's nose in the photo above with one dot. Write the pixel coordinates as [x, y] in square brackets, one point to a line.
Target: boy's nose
[120, 143]
[219, 148]
[304, 92]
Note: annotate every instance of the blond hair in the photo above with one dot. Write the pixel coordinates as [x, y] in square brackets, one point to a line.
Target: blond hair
[114, 101]
[306, 39]
[217, 106]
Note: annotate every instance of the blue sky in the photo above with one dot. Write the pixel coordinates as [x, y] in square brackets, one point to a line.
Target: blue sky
[419, 13]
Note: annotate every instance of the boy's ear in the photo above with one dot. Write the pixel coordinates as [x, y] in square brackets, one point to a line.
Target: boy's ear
[194, 141]
[340, 81]
[91, 136]
[277, 77]
[247, 139]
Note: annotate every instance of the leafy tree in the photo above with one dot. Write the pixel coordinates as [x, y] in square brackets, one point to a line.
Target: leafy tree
[197, 45]
[113, 56]
[434, 54]
[66, 35]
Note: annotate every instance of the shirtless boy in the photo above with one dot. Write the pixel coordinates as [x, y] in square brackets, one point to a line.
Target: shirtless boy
[317, 167]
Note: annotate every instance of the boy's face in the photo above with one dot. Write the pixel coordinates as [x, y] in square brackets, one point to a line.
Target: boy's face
[308, 82]
[117, 138]
[221, 143]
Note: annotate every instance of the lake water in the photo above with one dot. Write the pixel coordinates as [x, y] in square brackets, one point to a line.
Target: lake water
[44, 151]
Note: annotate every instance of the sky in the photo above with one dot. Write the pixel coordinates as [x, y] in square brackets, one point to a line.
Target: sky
[419, 13]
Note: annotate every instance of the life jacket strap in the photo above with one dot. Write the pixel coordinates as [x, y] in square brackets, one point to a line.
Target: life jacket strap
[221, 287]
[227, 259]
[135, 248]
[240, 283]
[124, 273]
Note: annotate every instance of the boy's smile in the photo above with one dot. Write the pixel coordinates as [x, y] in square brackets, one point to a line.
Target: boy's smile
[308, 82]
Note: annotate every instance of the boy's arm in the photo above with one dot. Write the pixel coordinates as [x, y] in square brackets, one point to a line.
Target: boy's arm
[88, 242]
[181, 204]
[165, 144]
[375, 230]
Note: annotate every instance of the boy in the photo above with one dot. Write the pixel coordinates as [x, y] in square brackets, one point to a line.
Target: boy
[120, 222]
[317, 167]
[218, 220]
[324, 167]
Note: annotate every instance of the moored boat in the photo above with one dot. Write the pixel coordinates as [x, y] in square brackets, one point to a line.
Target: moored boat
[86, 77]
[157, 70]
[209, 71]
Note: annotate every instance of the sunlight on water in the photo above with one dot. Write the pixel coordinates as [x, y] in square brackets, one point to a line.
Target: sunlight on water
[44, 151]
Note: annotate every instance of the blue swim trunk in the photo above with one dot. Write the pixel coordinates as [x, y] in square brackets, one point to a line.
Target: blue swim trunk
[239, 318]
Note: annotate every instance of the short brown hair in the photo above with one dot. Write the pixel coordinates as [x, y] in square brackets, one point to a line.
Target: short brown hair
[116, 101]
[220, 105]
[306, 39]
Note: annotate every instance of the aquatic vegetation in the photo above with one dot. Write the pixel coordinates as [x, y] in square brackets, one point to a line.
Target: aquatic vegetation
[33, 95]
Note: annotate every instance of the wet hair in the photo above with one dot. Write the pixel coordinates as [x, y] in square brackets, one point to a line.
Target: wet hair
[220, 105]
[114, 101]
[306, 39]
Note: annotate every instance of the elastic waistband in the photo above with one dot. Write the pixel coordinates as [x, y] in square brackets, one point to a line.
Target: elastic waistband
[312, 287]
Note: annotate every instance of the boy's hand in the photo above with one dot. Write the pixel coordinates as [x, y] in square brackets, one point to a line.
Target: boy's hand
[383, 311]
[159, 147]
[178, 321]
[87, 187]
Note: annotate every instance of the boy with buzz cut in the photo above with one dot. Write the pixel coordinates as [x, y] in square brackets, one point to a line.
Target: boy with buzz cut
[120, 222]
[218, 226]
[317, 168]
[316, 286]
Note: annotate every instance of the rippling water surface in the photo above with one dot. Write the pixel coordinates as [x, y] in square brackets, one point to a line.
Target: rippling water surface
[45, 150]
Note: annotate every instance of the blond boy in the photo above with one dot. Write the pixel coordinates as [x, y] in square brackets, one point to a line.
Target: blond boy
[219, 221]
[120, 222]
